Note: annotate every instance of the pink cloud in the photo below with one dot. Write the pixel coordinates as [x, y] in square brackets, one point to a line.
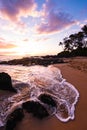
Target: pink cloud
[12, 9]
[53, 20]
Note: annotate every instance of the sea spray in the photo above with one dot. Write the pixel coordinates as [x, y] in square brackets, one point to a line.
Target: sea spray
[33, 81]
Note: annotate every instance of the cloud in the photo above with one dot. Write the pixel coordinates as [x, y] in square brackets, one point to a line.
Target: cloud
[42, 39]
[26, 40]
[53, 20]
[1, 39]
[13, 9]
[5, 45]
[82, 23]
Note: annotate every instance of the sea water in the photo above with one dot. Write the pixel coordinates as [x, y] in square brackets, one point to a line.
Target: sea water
[32, 81]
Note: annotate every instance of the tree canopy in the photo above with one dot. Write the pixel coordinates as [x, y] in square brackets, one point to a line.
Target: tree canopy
[75, 44]
[75, 41]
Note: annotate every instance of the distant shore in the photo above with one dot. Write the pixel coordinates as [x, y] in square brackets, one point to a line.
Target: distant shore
[79, 63]
[29, 61]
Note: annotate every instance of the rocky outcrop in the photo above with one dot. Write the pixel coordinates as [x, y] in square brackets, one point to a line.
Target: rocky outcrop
[5, 82]
[28, 61]
[47, 99]
[36, 109]
[14, 118]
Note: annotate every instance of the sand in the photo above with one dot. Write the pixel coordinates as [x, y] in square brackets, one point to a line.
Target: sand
[79, 63]
[79, 80]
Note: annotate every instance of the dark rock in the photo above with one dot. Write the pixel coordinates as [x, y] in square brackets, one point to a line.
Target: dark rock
[5, 82]
[47, 99]
[36, 109]
[14, 118]
[27, 61]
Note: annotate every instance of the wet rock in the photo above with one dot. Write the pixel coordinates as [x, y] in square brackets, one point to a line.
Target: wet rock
[5, 82]
[47, 99]
[14, 118]
[36, 109]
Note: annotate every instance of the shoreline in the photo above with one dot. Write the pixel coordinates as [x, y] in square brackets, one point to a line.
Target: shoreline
[76, 78]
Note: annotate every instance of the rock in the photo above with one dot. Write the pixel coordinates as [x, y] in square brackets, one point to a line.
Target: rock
[47, 99]
[5, 82]
[36, 109]
[14, 118]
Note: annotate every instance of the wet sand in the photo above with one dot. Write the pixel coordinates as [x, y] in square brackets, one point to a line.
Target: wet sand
[79, 80]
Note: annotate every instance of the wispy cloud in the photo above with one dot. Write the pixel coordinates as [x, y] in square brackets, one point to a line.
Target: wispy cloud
[7, 46]
[81, 23]
[42, 39]
[53, 20]
[26, 40]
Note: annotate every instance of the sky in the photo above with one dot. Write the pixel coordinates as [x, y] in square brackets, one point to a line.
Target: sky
[35, 27]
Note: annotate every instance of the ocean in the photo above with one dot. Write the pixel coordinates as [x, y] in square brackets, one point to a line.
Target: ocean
[9, 57]
[33, 81]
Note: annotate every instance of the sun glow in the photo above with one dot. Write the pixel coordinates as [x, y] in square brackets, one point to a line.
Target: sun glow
[28, 49]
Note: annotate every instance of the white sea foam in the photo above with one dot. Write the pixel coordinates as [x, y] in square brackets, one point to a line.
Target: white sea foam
[33, 81]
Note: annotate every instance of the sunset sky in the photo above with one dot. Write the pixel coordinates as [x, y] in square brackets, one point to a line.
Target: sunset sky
[35, 27]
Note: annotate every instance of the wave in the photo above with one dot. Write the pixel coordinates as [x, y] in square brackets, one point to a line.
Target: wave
[31, 82]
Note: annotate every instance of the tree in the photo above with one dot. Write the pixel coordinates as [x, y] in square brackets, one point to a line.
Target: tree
[75, 41]
[79, 40]
[84, 29]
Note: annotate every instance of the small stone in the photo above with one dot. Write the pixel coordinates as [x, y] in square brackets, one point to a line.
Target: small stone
[47, 99]
[14, 118]
[36, 109]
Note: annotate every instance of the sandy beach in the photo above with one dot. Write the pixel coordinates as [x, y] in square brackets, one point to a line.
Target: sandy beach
[79, 79]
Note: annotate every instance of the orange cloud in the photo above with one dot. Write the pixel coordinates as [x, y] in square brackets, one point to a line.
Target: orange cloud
[5, 45]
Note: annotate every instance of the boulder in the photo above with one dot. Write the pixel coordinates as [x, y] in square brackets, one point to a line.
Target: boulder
[14, 118]
[47, 99]
[5, 82]
[36, 109]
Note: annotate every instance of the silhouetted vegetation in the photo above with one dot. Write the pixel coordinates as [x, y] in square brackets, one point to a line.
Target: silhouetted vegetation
[75, 44]
[73, 53]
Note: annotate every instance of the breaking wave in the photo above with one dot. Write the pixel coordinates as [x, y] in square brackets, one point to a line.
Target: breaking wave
[31, 82]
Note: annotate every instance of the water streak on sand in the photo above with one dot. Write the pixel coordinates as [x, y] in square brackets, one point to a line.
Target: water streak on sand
[30, 82]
